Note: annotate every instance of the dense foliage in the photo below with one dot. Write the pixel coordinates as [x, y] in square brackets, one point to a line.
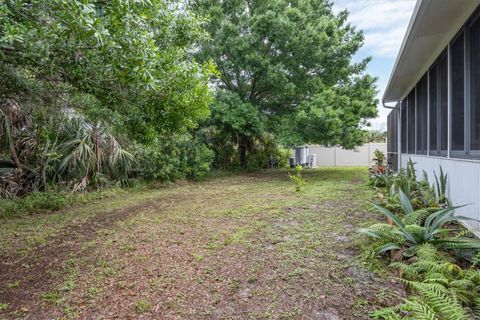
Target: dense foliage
[285, 70]
[85, 84]
[438, 261]
[95, 93]
[131, 59]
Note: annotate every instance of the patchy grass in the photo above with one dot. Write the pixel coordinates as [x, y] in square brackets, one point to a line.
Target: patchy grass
[243, 246]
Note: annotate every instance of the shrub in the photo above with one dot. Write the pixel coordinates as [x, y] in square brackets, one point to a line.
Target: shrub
[179, 157]
[421, 193]
[297, 178]
[267, 151]
[379, 162]
[196, 159]
[34, 202]
[39, 202]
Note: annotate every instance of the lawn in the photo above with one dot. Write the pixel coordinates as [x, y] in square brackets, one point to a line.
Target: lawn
[243, 246]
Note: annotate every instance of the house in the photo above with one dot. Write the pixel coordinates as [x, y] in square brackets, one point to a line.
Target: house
[434, 91]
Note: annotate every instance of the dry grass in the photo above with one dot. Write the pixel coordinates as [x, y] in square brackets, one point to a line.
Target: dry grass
[236, 247]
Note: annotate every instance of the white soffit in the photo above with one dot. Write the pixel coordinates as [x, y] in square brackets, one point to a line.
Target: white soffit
[433, 24]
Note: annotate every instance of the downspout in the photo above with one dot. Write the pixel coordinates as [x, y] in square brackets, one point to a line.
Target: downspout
[396, 108]
[389, 107]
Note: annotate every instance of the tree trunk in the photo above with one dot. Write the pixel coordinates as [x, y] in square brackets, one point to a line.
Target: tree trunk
[13, 154]
[245, 145]
[242, 155]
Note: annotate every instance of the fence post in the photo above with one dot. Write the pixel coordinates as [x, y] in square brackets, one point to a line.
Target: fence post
[369, 151]
[335, 156]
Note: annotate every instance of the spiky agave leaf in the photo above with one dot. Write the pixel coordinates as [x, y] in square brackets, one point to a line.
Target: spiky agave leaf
[405, 203]
[390, 215]
[387, 247]
[457, 243]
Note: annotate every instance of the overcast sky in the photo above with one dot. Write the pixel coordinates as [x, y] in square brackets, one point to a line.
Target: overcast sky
[384, 23]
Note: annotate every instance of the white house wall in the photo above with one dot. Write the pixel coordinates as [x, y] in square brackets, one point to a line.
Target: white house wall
[463, 184]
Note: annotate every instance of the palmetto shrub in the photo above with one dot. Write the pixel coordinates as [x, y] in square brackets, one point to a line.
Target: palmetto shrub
[71, 151]
[88, 153]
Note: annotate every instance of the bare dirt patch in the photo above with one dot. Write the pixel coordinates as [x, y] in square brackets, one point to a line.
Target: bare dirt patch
[238, 247]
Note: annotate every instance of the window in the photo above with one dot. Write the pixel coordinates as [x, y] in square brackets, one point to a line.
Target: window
[421, 107]
[403, 127]
[458, 97]
[442, 96]
[411, 122]
[433, 110]
[474, 69]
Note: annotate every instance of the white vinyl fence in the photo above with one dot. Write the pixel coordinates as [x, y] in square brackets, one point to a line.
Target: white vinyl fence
[337, 156]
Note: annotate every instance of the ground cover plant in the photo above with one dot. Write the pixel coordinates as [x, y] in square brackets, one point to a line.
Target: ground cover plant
[437, 257]
[235, 246]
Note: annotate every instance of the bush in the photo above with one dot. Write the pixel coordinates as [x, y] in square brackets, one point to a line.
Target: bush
[379, 162]
[34, 202]
[297, 178]
[180, 157]
[262, 152]
[196, 159]
[265, 152]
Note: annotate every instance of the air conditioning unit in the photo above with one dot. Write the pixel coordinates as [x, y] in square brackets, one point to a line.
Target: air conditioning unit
[301, 155]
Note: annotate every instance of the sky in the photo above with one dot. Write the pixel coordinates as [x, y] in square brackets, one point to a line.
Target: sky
[384, 23]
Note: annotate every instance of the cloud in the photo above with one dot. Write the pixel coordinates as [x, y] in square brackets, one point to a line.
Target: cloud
[384, 23]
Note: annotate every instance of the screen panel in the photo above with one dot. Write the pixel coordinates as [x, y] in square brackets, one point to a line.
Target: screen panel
[442, 129]
[458, 96]
[433, 83]
[411, 122]
[474, 39]
[403, 126]
[421, 107]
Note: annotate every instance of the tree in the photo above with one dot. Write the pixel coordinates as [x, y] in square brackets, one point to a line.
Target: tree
[121, 65]
[286, 68]
[133, 57]
[376, 136]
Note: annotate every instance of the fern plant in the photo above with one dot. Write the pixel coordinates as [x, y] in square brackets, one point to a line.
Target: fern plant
[441, 289]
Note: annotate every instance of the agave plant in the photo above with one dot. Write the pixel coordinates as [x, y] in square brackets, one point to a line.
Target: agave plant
[422, 195]
[418, 227]
[441, 187]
